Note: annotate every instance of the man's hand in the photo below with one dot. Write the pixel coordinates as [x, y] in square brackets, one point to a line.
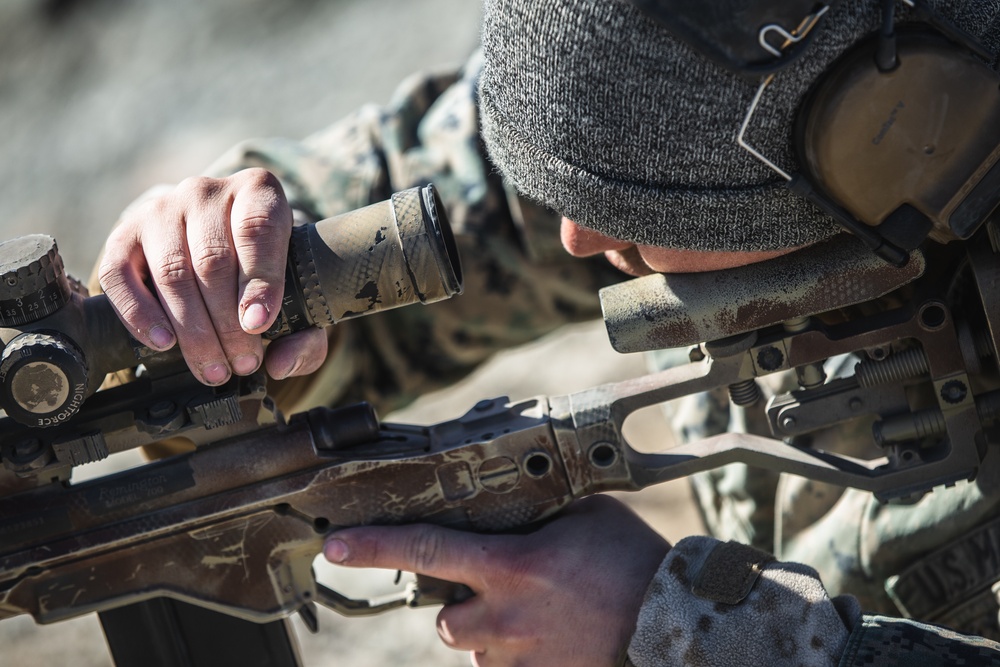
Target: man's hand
[566, 594]
[204, 266]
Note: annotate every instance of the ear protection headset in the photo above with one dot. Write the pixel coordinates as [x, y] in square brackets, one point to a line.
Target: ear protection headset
[898, 141]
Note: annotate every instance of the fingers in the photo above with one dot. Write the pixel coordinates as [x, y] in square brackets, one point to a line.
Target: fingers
[300, 353]
[185, 270]
[456, 556]
[122, 276]
[438, 552]
[460, 626]
[567, 593]
[261, 224]
[203, 266]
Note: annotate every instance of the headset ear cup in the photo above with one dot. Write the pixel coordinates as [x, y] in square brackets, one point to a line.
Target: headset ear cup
[912, 152]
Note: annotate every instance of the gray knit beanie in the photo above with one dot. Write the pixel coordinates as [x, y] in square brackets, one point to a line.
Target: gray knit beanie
[596, 111]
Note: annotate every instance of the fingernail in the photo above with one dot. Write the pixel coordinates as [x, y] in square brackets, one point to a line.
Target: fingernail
[254, 316]
[246, 364]
[215, 373]
[292, 368]
[161, 338]
[336, 551]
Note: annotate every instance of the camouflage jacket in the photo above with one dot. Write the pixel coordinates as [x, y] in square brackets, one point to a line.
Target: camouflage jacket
[519, 284]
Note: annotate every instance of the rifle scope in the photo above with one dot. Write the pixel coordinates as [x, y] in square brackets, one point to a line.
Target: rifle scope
[59, 345]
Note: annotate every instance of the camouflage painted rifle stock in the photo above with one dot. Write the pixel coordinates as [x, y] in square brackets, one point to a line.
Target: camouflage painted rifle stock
[235, 524]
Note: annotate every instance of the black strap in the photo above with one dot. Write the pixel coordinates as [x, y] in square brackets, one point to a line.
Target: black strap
[729, 572]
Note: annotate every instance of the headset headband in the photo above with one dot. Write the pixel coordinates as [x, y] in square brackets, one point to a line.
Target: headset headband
[745, 36]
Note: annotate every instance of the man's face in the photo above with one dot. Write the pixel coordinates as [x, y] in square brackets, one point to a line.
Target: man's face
[641, 260]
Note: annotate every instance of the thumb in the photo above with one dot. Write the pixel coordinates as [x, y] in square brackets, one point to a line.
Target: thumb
[422, 549]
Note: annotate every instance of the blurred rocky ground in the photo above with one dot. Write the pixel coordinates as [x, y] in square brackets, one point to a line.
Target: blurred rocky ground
[99, 99]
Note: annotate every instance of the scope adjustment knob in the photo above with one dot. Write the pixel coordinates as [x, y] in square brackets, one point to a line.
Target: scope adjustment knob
[43, 379]
[33, 282]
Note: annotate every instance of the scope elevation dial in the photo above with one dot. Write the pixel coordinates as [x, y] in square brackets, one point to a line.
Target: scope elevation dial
[33, 282]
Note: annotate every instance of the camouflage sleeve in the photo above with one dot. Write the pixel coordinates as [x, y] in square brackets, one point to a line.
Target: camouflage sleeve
[726, 604]
[519, 284]
[894, 642]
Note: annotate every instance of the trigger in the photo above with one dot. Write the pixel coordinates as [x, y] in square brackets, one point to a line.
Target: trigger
[307, 613]
[431, 590]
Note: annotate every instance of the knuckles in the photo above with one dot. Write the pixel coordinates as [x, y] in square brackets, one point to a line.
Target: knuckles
[110, 275]
[258, 226]
[261, 218]
[214, 261]
[199, 188]
[424, 548]
[156, 239]
[117, 290]
[128, 308]
[260, 179]
[173, 270]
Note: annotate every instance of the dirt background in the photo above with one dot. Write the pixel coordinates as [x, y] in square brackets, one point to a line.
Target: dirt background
[99, 99]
